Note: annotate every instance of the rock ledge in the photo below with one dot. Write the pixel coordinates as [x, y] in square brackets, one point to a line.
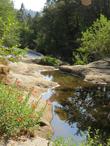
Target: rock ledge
[95, 72]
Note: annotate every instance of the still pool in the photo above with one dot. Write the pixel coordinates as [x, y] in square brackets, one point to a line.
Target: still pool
[78, 105]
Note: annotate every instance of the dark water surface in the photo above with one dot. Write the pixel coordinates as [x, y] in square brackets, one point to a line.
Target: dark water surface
[78, 105]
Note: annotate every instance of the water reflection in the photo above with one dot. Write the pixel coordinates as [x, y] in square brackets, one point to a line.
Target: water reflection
[88, 107]
[81, 105]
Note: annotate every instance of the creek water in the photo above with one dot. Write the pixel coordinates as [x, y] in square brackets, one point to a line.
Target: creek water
[78, 105]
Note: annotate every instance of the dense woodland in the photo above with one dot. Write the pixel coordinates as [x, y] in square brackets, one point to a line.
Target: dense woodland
[65, 29]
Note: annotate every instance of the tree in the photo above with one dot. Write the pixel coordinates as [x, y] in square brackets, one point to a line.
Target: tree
[9, 35]
[96, 39]
[58, 29]
[25, 20]
[21, 14]
[61, 23]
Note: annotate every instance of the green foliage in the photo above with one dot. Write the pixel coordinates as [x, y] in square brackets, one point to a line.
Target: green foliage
[63, 142]
[25, 32]
[95, 141]
[48, 60]
[95, 40]
[10, 35]
[6, 9]
[78, 60]
[9, 26]
[89, 142]
[13, 53]
[55, 31]
[16, 114]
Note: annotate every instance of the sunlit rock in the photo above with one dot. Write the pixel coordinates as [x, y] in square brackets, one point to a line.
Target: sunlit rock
[86, 2]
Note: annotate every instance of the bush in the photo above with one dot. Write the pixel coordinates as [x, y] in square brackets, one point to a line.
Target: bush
[48, 60]
[78, 60]
[63, 142]
[69, 142]
[95, 41]
[16, 114]
[13, 53]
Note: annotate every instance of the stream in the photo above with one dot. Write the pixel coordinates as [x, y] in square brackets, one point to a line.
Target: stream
[78, 105]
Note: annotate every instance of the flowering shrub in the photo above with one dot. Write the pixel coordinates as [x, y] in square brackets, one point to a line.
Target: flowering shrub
[16, 114]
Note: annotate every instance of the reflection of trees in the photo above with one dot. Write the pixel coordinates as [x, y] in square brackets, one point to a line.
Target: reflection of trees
[88, 107]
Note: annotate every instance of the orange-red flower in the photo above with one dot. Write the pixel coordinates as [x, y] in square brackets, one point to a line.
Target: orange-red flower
[33, 105]
[20, 119]
[20, 98]
[32, 116]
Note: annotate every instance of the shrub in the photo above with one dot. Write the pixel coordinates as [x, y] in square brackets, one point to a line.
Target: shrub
[95, 41]
[13, 53]
[91, 141]
[78, 60]
[16, 114]
[63, 142]
[68, 142]
[48, 60]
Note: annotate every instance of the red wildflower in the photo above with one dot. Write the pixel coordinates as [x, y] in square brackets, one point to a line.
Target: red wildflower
[20, 98]
[19, 119]
[33, 105]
